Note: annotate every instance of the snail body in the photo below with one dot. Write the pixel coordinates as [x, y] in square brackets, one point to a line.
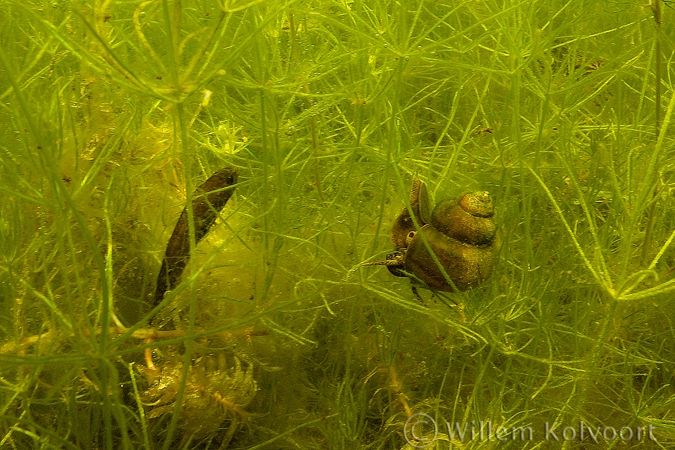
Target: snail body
[460, 233]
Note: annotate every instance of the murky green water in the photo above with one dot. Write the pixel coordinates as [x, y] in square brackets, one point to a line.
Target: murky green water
[276, 336]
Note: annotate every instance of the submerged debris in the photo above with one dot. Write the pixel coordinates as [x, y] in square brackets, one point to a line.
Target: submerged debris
[212, 395]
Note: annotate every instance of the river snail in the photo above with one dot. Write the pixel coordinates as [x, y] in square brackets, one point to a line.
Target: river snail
[461, 233]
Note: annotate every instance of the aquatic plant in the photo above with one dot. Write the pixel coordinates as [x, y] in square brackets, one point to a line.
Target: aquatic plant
[276, 335]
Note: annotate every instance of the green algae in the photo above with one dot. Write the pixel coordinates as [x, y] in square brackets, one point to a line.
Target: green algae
[112, 113]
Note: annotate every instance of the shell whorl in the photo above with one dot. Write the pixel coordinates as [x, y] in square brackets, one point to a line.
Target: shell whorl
[469, 219]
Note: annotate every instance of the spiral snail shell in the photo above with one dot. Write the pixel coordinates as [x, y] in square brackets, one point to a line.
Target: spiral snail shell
[460, 233]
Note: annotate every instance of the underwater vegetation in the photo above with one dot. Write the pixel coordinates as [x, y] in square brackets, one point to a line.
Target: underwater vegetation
[287, 135]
